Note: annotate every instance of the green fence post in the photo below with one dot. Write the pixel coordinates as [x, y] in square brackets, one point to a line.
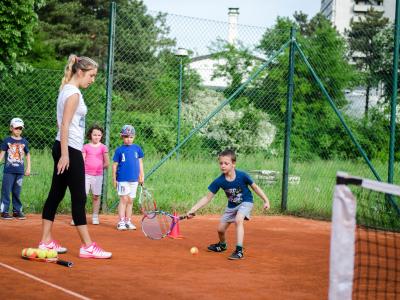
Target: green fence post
[181, 53]
[288, 122]
[109, 82]
[394, 93]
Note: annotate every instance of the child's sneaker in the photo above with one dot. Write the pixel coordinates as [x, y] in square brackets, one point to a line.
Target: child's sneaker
[130, 226]
[237, 254]
[52, 245]
[95, 220]
[93, 251]
[121, 225]
[6, 216]
[218, 247]
[19, 215]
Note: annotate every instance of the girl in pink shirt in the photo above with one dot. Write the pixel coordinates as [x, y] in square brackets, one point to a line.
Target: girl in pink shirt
[95, 155]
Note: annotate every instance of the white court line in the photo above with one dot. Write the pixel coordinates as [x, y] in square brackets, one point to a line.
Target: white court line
[45, 282]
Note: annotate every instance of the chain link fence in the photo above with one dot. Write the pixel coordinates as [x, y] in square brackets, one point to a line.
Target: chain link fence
[347, 126]
[227, 87]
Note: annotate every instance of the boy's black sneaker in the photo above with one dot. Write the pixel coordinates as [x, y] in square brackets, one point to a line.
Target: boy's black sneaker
[218, 247]
[6, 216]
[19, 215]
[236, 255]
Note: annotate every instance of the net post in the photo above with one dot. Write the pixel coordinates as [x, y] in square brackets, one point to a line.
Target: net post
[342, 247]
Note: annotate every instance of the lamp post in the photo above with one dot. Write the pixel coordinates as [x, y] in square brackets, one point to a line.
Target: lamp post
[181, 53]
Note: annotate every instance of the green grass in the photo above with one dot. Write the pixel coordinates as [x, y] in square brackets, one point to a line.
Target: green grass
[178, 184]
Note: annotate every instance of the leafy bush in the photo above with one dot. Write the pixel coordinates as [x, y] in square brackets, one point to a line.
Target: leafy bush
[247, 129]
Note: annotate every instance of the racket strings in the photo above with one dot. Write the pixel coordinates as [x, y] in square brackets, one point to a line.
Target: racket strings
[156, 226]
[147, 202]
[165, 223]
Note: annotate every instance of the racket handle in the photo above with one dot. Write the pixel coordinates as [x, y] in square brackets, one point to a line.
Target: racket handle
[65, 263]
[186, 216]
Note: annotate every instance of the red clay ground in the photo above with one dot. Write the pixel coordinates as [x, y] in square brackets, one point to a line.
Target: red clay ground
[285, 258]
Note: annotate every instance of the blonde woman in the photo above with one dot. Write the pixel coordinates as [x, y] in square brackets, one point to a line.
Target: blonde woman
[69, 170]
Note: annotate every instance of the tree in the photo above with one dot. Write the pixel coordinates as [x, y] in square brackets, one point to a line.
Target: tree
[365, 49]
[385, 40]
[274, 37]
[73, 26]
[315, 128]
[17, 22]
[140, 40]
[235, 63]
[82, 27]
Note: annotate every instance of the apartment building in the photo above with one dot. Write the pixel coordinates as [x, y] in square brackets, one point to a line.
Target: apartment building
[341, 12]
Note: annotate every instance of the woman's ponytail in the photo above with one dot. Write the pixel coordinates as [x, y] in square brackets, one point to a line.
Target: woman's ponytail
[74, 64]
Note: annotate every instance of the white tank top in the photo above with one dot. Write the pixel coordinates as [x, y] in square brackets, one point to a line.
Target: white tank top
[77, 126]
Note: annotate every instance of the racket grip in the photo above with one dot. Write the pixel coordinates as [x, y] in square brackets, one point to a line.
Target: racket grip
[65, 263]
[186, 216]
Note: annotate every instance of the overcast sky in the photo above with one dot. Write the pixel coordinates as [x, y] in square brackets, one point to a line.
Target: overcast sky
[252, 12]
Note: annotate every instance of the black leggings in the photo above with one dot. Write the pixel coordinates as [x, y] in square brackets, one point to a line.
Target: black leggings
[74, 179]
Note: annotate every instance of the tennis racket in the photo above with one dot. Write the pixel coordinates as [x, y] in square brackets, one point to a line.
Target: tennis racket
[55, 260]
[146, 201]
[158, 224]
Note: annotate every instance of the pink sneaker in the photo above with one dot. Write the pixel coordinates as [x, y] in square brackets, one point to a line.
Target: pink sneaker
[52, 245]
[93, 251]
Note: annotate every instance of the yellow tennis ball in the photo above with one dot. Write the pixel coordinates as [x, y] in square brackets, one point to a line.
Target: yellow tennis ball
[23, 253]
[52, 253]
[41, 253]
[29, 251]
[194, 250]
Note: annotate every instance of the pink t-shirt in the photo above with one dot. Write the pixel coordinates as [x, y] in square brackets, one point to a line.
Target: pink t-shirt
[94, 160]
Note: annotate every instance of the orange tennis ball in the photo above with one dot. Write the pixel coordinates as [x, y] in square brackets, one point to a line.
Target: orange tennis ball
[34, 253]
[194, 250]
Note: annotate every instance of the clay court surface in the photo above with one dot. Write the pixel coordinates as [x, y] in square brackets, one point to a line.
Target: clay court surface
[285, 258]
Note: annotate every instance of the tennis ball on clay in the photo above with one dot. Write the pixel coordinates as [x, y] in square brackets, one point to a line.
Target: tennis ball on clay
[194, 250]
[29, 251]
[41, 253]
[52, 253]
[34, 253]
[23, 253]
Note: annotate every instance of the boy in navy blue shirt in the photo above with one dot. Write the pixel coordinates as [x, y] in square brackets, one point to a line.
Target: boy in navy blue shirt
[16, 148]
[235, 184]
[127, 173]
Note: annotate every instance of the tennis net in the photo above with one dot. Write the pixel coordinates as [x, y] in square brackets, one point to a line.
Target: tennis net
[365, 240]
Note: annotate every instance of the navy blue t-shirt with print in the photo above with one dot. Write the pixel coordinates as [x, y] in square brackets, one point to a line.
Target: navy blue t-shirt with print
[237, 190]
[14, 156]
[127, 157]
